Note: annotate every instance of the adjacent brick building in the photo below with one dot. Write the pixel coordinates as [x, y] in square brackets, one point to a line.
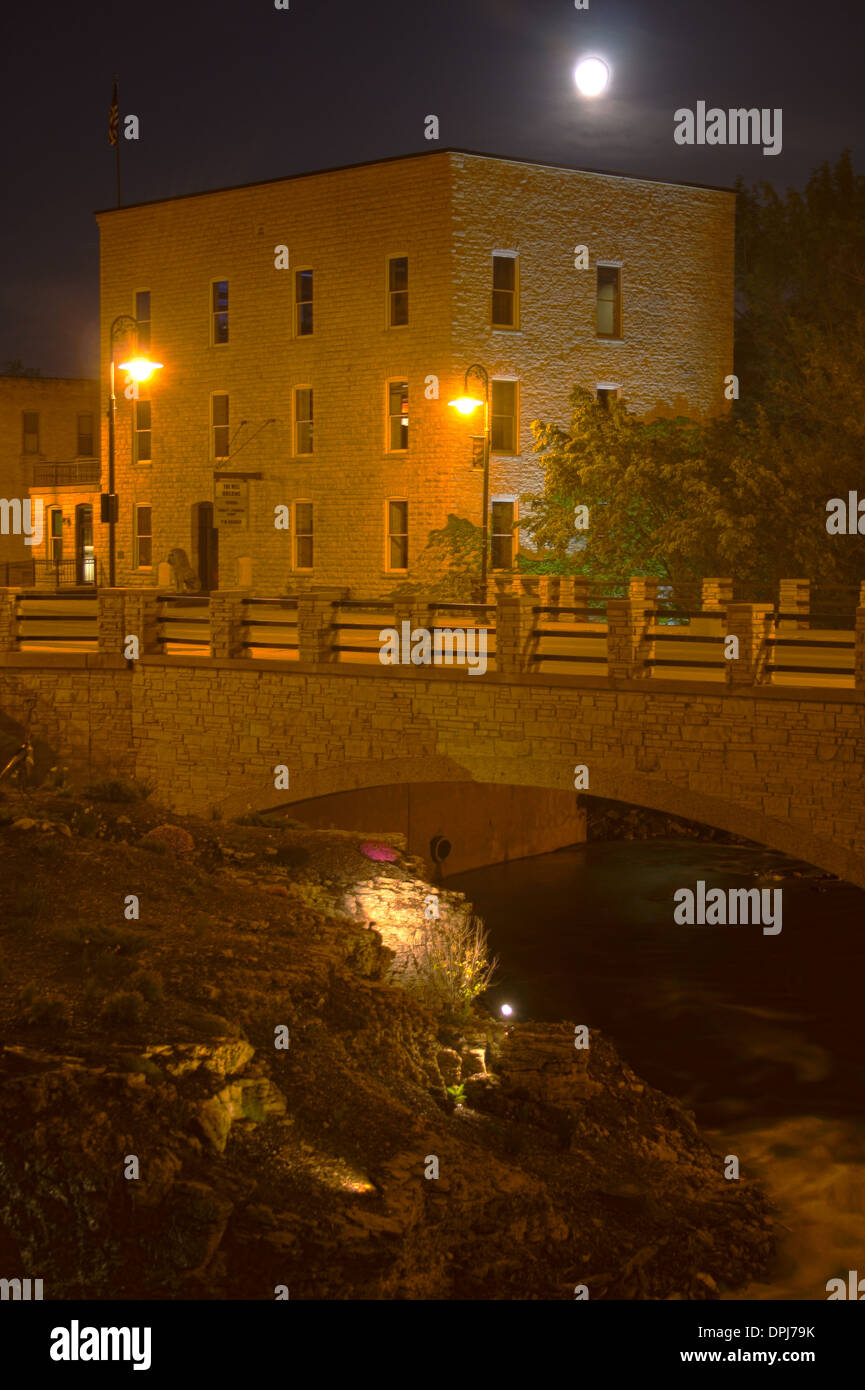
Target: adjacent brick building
[49, 452]
[314, 329]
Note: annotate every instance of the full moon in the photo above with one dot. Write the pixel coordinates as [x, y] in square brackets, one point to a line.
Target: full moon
[591, 76]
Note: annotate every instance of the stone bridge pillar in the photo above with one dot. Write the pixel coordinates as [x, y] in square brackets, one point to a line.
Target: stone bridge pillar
[227, 627]
[750, 622]
[112, 621]
[515, 624]
[315, 610]
[716, 593]
[8, 620]
[859, 649]
[142, 619]
[627, 625]
[794, 598]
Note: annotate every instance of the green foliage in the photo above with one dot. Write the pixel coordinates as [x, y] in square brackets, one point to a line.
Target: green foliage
[450, 965]
[149, 984]
[743, 495]
[124, 1007]
[457, 1093]
[42, 1010]
[450, 562]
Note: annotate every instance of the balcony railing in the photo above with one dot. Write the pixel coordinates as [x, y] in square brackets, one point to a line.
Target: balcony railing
[82, 472]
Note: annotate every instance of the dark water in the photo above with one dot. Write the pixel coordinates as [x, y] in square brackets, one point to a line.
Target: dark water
[762, 1036]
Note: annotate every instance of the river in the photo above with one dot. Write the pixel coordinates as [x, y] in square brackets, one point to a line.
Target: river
[763, 1037]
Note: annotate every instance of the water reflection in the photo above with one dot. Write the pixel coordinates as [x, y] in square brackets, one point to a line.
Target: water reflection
[762, 1036]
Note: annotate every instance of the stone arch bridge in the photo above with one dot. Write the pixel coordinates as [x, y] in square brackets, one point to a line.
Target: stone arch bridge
[209, 723]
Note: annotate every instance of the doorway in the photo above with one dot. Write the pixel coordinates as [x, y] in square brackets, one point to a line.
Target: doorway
[85, 558]
[205, 546]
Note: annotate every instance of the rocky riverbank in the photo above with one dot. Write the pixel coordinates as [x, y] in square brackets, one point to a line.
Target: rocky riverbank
[211, 1087]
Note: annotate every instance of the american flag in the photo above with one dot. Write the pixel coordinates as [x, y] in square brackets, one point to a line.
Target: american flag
[113, 117]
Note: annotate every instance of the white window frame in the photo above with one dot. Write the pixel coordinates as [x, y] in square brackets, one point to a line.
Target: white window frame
[619, 266]
[295, 421]
[388, 417]
[499, 453]
[218, 280]
[301, 502]
[389, 568]
[506, 327]
[396, 256]
[295, 317]
[219, 458]
[136, 564]
[515, 502]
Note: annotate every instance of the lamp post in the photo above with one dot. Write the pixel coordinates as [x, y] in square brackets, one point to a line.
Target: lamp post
[466, 404]
[139, 368]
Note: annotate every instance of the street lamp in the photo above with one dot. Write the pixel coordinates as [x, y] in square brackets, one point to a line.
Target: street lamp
[139, 368]
[466, 404]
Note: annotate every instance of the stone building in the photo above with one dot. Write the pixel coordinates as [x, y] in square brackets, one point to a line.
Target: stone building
[49, 454]
[314, 329]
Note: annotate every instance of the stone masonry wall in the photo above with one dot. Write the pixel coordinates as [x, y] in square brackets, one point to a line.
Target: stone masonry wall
[783, 770]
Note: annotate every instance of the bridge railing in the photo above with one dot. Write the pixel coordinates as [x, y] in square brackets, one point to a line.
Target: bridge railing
[544, 626]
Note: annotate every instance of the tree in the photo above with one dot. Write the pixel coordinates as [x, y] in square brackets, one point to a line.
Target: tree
[14, 367]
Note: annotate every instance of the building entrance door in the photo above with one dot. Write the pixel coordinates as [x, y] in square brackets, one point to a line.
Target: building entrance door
[85, 558]
[205, 546]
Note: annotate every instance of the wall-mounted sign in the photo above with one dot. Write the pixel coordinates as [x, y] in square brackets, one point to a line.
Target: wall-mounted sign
[231, 500]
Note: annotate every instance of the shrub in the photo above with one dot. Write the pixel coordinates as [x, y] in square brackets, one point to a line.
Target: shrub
[126, 1006]
[173, 837]
[119, 790]
[42, 1011]
[149, 984]
[449, 965]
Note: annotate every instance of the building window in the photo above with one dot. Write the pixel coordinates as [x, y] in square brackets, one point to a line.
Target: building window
[142, 316]
[606, 394]
[303, 303]
[502, 534]
[303, 420]
[143, 538]
[30, 431]
[503, 422]
[303, 535]
[397, 411]
[85, 436]
[219, 424]
[609, 301]
[142, 431]
[55, 537]
[397, 536]
[219, 311]
[504, 292]
[397, 291]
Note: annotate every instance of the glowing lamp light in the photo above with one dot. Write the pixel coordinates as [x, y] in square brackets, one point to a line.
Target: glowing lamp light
[140, 368]
[465, 404]
[591, 76]
[506, 1010]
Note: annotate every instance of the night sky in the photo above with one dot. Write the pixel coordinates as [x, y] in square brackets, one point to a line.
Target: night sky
[233, 91]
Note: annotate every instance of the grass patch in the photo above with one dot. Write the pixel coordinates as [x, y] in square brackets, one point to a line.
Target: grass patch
[90, 934]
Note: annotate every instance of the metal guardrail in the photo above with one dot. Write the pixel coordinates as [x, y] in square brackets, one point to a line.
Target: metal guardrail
[79, 473]
[183, 622]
